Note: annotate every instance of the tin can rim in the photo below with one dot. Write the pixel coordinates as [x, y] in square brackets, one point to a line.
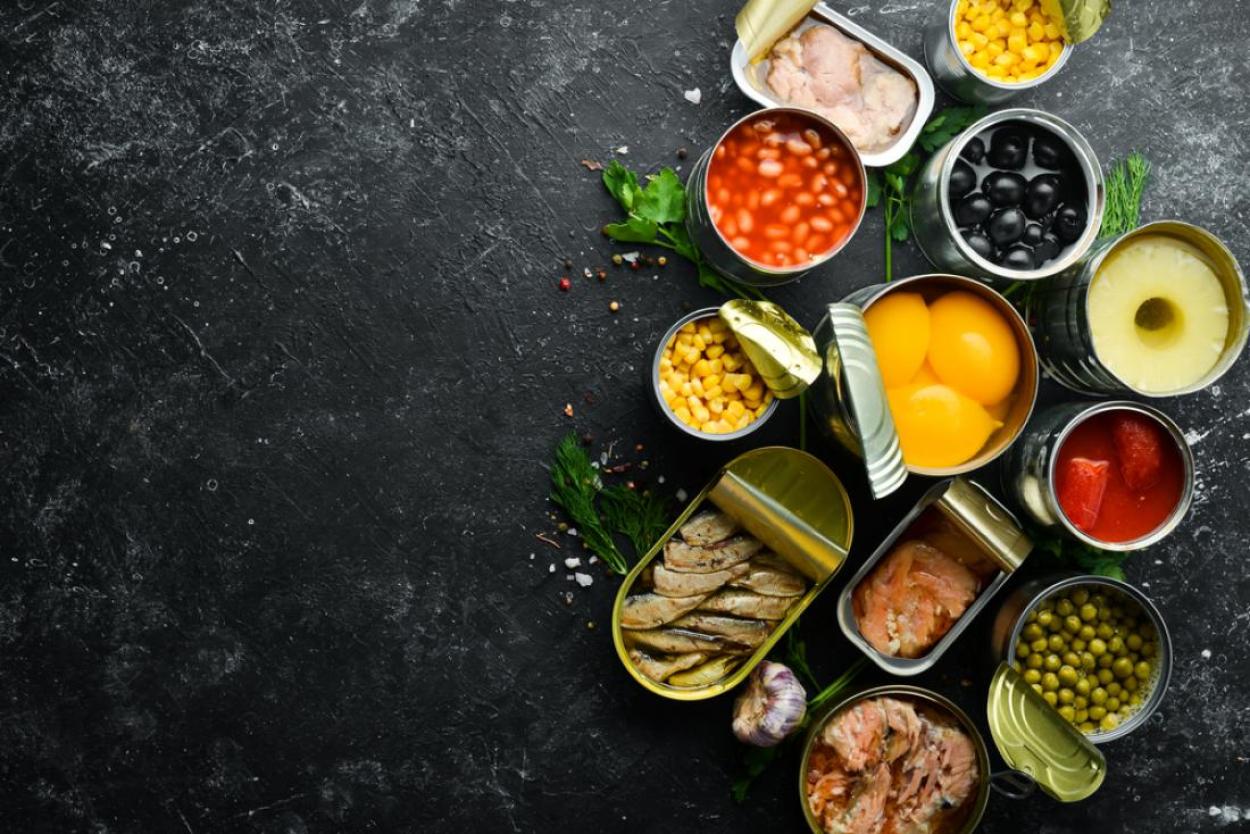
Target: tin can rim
[1018, 86]
[796, 270]
[1187, 461]
[907, 691]
[1170, 228]
[695, 315]
[1019, 328]
[1086, 158]
[1152, 703]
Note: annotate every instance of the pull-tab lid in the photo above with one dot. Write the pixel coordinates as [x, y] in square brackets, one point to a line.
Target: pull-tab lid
[980, 517]
[782, 352]
[851, 362]
[1077, 19]
[1036, 740]
[762, 23]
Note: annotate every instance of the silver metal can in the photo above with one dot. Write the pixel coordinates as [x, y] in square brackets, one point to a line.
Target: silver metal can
[937, 233]
[957, 77]
[1010, 621]
[657, 399]
[1029, 472]
[718, 252]
[1059, 315]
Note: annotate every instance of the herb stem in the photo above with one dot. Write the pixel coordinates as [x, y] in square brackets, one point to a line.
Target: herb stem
[829, 692]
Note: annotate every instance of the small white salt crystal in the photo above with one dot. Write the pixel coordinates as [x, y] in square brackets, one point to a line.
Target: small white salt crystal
[584, 579]
[623, 149]
[630, 257]
[572, 562]
[660, 480]
[551, 568]
[682, 495]
[569, 577]
[592, 560]
[572, 531]
[693, 96]
[531, 557]
[1206, 654]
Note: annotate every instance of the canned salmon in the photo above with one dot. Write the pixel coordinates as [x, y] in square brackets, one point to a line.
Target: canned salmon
[1115, 475]
[780, 193]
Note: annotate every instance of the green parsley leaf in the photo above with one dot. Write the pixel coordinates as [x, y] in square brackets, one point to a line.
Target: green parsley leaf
[874, 189]
[633, 230]
[622, 184]
[664, 198]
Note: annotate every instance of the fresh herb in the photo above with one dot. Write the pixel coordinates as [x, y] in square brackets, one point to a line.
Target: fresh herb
[755, 760]
[641, 516]
[1126, 183]
[888, 187]
[655, 214]
[796, 657]
[575, 485]
[1079, 555]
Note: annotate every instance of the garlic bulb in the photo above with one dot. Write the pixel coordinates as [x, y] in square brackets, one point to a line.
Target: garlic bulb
[771, 707]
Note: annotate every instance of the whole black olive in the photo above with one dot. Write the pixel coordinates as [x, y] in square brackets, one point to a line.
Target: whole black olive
[1005, 226]
[1042, 195]
[1018, 256]
[1047, 249]
[979, 243]
[1008, 149]
[1004, 188]
[1033, 234]
[973, 150]
[1069, 223]
[973, 209]
[963, 179]
[1048, 150]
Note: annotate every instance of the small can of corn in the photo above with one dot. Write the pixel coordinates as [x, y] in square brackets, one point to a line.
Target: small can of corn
[989, 51]
[702, 382]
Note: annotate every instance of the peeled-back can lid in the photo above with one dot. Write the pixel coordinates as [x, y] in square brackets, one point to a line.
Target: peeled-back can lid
[762, 23]
[851, 363]
[1078, 19]
[782, 352]
[1036, 740]
[980, 516]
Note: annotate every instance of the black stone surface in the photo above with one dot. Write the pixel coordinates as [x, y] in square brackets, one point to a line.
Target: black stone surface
[282, 357]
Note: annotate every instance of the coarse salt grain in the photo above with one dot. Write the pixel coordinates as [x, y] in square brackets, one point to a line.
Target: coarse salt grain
[584, 579]
[682, 495]
[1206, 654]
[551, 568]
[693, 96]
[572, 562]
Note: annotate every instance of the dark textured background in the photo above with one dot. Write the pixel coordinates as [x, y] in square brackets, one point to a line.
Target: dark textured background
[282, 356]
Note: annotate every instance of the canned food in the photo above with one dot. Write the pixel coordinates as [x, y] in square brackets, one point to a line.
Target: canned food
[964, 543]
[1116, 475]
[1153, 652]
[1037, 210]
[736, 569]
[778, 194]
[1092, 331]
[850, 397]
[955, 73]
[874, 736]
[752, 76]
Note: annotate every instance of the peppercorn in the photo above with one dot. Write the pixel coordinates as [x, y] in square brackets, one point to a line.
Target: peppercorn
[681, 153]
[617, 259]
[662, 261]
[601, 274]
[568, 264]
[634, 265]
[565, 284]
[615, 306]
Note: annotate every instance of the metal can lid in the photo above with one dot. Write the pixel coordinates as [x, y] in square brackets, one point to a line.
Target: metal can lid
[783, 353]
[987, 522]
[1036, 740]
[852, 362]
[762, 23]
[1078, 19]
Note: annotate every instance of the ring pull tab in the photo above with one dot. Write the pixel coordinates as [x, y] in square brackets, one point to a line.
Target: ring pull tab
[1013, 784]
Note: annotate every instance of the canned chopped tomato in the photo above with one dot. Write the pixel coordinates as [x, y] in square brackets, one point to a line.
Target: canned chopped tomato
[783, 190]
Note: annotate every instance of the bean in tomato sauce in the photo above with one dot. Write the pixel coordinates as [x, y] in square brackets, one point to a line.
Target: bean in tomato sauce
[784, 190]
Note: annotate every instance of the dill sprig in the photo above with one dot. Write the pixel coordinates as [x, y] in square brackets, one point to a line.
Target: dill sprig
[641, 516]
[575, 484]
[1126, 183]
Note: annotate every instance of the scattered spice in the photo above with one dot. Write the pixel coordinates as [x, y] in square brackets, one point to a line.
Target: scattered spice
[617, 259]
[568, 264]
[615, 306]
[601, 274]
[662, 261]
[682, 153]
[543, 538]
[565, 284]
[592, 165]
[568, 409]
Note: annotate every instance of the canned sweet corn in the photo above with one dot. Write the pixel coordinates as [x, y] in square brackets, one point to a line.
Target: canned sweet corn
[1009, 41]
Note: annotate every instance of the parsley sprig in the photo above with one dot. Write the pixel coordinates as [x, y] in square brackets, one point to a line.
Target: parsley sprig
[655, 214]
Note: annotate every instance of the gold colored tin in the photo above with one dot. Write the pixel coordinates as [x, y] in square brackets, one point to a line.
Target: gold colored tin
[1036, 740]
[1077, 19]
[782, 352]
[980, 518]
[792, 503]
[761, 23]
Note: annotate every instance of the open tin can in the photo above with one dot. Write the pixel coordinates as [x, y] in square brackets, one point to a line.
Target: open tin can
[1029, 473]
[761, 19]
[787, 500]
[971, 527]
[1039, 747]
[850, 398]
[718, 249]
[937, 232]
[1060, 314]
[1011, 620]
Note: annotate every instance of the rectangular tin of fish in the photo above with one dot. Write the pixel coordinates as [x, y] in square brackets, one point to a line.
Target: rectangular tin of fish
[799, 513]
[750, 79]
[978, 521]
